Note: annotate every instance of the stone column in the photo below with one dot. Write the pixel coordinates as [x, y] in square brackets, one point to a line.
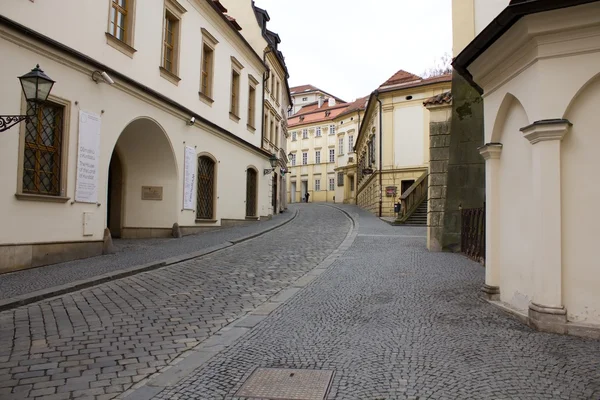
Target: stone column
[546, 311]
[491, 154]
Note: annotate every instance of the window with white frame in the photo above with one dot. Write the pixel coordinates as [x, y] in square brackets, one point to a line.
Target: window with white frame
[341, 146]
[331, 155]
[317, 185]
[294, 136]
[318, 157]
[350, 144]
[304, 158]
[332, 184]
[318, 131]
[332, 129]
[293, 160]
[304, 133]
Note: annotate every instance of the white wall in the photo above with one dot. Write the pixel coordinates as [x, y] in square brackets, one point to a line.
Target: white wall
[409, 145]
[580, 196]
[486, 11]
[515, 206]
[90, 20]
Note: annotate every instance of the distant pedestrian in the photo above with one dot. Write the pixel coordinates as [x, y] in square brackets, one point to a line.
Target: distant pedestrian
[306, 196]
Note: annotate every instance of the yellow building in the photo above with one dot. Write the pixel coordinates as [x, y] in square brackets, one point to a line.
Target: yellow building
[393, 142]
[312, 148]
[347, 125]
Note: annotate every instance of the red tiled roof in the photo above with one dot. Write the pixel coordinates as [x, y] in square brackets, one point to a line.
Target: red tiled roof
[234, 22]
[220, 6]
[401, 77]
[303, 88]
[356, 105]
[444, 98]
[420, 82]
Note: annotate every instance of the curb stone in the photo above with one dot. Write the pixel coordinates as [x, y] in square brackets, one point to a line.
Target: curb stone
[54, 291]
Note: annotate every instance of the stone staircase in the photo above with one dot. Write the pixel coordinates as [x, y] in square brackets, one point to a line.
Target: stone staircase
[419, 217]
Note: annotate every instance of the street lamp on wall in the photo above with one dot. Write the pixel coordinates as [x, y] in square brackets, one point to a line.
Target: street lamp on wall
[273, 160]
[36, 87]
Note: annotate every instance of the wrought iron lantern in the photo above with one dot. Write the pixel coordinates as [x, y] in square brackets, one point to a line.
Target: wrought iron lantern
[36, 87]
[274, 161]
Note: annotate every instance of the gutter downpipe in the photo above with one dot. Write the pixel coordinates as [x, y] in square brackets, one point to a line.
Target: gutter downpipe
[356, 174]
[380, 155]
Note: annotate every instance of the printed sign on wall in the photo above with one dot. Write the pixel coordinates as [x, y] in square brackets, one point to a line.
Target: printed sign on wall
[189, 175]
[88, 158]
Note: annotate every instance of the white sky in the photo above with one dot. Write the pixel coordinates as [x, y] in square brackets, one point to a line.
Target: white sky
[350, 47]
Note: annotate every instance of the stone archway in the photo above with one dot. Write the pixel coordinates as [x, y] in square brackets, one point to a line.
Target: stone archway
[142, 192]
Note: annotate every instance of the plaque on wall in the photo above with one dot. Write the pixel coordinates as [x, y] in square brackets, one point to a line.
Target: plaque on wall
[152, 193]
[390, 191]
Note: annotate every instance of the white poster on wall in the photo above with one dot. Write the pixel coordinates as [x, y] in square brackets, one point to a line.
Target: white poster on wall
[189, 176]
[88, 158]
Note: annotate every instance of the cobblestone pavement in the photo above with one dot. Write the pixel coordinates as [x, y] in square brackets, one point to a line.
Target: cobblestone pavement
[98, 342]
[129, 253]
[397, 322]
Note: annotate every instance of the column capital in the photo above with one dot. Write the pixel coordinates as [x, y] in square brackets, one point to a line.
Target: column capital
[548, 129]
[491, 151]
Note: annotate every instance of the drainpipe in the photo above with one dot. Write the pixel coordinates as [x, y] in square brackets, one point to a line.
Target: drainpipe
[380, 155]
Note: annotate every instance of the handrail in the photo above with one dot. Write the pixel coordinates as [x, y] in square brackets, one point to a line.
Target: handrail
[413, 196]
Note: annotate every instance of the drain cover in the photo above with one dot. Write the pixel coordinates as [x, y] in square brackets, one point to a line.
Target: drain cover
[287, 384]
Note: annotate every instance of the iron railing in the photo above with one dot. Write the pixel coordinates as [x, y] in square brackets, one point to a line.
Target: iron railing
[473, 233]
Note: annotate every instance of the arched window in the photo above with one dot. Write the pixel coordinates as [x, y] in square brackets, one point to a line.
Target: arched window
[251, 191]
[205, 207]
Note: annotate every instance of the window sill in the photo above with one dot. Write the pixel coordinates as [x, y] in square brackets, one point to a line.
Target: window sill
[251, 128]
[42, 198]
[234, 117]
[206, 98]
[168, 75]
[207, 221]
[120, 45]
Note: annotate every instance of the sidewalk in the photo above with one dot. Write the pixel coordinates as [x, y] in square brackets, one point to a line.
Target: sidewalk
[131, 253]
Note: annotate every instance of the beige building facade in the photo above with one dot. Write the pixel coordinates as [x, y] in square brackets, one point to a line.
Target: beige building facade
[169, 144]
[392, 146]
[313, 151]
[540, 81]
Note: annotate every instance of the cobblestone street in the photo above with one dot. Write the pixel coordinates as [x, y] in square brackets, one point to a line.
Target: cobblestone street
[390, 319]
[98, 342]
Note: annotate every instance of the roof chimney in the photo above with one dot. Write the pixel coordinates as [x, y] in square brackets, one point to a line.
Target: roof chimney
[331, 102]
[320, 102]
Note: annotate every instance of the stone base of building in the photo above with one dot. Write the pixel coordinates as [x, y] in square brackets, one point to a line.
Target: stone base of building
[23, 256]
[548, 319]
[543, 320]
[146, 233]
[491, 292]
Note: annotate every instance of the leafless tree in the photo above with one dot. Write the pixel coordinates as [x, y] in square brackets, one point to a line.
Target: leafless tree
[441, 66]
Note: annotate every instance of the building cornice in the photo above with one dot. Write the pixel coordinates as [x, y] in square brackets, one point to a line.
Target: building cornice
[546, 130]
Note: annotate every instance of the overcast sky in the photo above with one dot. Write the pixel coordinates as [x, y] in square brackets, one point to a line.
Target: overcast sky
[349, 47]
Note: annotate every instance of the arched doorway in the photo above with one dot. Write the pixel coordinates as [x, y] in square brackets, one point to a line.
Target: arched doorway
[251, 192]
[115, 196]
[142, 196]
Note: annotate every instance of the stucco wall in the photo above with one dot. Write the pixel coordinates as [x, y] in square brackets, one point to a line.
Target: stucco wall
[515, 206]
[580, 196]
[409, 131]
[486, 11]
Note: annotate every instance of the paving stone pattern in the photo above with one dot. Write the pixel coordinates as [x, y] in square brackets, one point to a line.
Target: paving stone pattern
[98, 342]
[129, 253]
[397, 322]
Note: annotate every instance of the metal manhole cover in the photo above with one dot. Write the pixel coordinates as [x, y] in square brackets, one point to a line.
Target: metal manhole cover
[287, 384]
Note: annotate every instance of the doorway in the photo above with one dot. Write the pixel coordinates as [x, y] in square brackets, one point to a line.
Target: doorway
[293, 193]
[274, 200]
[115, 196]
[251, 191]
[405, 185]
[304, 190]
